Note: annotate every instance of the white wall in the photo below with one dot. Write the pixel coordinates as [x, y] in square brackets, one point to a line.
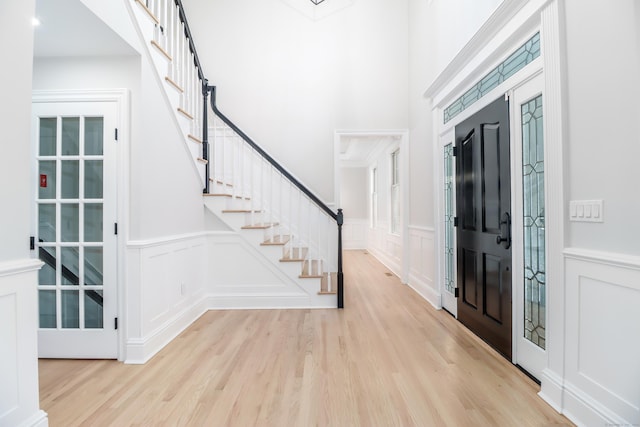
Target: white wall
[166, 192]
[457, 21]
[19, 396]
[603, 61]
[289, 81]
[383, 244]
[166, 291]
[165, 195]
[353, 192]
[422, 54]
[602, 268]
[15, 119]
[116, 16]
[354, 200]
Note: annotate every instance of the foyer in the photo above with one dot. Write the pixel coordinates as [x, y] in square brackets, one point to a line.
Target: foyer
[391, 359]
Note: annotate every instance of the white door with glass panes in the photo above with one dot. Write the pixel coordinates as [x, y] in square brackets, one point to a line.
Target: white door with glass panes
[74, 228]
[530, 221]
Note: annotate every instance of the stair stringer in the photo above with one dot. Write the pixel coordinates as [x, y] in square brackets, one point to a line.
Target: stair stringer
[232, 285]
[144, 26]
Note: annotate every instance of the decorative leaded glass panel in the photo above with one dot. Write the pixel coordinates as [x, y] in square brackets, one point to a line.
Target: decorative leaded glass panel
[534, 225]
[448, 219]
[524, 55]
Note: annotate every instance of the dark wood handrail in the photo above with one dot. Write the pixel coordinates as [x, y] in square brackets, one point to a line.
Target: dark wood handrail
[270, 159]
[206, 89]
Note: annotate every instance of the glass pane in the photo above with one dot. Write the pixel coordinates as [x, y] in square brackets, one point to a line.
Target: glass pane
[93, 222]
[47, 179]
[47, 274]
[93, 179]
[534, 222]
[70, 179]
[47, 308]
[93, 266]
[515, 62]
[70, 266]
[70, 136]
[69, 222]
[47, 222]
[93, 309]
[70, 309]
[48, 132]
[93, 136]
[448, 219]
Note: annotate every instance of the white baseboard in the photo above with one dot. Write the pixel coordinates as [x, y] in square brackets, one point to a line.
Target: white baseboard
[39, 419]
[141, 350]
[551, 389]
[386, 261]
[585, 411]
[426, 291]
[267, 302]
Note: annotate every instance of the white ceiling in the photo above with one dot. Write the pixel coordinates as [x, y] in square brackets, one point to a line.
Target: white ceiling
[362, 150]
[68, 28]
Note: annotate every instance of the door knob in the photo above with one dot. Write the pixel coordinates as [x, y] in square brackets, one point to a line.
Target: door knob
[504, 237]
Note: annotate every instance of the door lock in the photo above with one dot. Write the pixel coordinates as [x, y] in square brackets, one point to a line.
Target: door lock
[504, 237]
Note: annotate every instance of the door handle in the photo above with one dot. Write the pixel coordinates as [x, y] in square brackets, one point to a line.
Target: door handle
[505, 238]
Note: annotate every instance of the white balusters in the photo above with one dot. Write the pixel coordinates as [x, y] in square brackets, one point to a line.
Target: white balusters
[255, 184]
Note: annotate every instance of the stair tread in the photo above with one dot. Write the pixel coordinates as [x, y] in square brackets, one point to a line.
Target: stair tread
[297, 254]
[194, 138]
[276, 241]
[225, 195]
[291, 259]
[185, 113]
[161, 50]
[259, 226]
[216, 181]
[240, 211]
[175, 86]
[149, 13]
[311, 276]
[327, 292]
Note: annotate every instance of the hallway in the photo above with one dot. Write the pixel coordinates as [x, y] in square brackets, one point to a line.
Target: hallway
[388, 359]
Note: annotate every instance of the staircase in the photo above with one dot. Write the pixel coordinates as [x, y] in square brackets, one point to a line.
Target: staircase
[242, 185]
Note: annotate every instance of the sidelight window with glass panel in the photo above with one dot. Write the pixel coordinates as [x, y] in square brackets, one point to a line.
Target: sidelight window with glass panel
[534, 222]
[449, 214]
[70, 221]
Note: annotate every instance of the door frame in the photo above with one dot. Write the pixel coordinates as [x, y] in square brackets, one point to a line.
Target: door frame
[402, 143]
[506, 30]
[121, 98]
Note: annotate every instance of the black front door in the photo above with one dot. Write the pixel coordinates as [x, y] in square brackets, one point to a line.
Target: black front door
[483, 188]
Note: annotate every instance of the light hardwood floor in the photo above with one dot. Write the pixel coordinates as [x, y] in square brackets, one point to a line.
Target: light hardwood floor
[387, 359]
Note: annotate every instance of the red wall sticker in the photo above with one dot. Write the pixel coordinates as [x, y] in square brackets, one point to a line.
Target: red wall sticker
[43, 180]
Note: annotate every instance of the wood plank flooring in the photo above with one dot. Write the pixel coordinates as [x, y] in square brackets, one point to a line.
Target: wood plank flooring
[387, 359]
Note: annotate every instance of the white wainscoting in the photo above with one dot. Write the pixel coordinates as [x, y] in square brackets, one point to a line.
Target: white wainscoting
[354, 233]
[165, 292]
[602, 338]
[422, 264]
[242, 276]
[386, 247]
[19, 401]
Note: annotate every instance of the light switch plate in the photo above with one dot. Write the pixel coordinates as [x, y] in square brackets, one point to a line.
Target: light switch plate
[586, 210]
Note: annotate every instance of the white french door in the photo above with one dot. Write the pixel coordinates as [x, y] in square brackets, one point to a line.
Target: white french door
[74, 227]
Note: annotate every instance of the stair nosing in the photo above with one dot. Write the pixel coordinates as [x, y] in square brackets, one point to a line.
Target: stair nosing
[161, 50]
[146, 9]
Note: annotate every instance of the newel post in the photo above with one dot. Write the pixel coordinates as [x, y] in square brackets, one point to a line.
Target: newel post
[340, 221]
